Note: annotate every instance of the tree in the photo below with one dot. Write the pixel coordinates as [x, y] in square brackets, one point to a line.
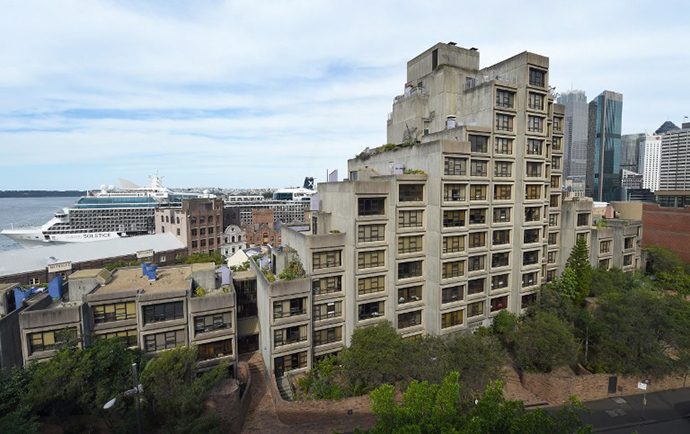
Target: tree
[544, 342]
[320, 382]
[15, 417]
[578, 262]
[661, 259]
[605, 281]
[478, 359]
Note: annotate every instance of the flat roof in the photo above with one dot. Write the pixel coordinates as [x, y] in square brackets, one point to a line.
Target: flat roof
[127, 279]
[91, 273]
[38, 258]
[5, 286]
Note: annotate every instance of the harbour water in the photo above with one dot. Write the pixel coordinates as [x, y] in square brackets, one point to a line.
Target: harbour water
[28, 211]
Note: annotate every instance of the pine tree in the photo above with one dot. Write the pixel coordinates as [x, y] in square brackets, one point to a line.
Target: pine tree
[578, 262]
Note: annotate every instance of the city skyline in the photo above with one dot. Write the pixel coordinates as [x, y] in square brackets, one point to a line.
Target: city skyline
[236, 95]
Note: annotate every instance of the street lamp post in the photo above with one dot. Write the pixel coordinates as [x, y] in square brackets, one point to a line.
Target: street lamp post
[138, 388]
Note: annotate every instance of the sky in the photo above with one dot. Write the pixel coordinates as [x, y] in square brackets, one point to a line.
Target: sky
[242, 94]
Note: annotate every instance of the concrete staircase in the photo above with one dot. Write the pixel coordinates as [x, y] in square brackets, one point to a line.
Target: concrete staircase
[284, 388]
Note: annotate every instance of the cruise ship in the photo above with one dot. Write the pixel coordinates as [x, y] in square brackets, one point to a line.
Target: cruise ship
[104, 214]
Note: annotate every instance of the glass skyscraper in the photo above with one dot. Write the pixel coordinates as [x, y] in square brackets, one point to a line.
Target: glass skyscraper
[603, 181]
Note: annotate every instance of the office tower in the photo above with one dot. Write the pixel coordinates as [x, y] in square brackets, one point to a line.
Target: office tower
[674, 172]
[603, 181]
[575, 134]
[632, 151]
[651, 162]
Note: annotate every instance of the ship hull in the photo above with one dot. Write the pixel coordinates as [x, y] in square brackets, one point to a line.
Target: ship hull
[33, 238]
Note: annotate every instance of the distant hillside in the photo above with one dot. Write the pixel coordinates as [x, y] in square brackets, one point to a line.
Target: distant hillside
[41, 193]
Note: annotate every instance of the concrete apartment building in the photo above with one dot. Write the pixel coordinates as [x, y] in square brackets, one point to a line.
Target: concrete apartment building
[198, 224]
[674, 171]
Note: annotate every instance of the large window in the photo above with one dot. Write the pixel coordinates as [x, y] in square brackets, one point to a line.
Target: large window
[453, 244]
[288, 308]
[371, 310]
[532, 192]
[555, 182]
[164, 341]
[368, 206]
[454, 192]
[478, 167]
[452, 294]
[499, 282]
[583, 219]
[368, 285]
[479, 143]
[409, 319]
[533, 170]
[411, 192]
[478, 216]
[553, 219]
[502, 192]
[551, 257]
[411, 244]
[129, 337]
[555, 163]
[501, 237]
[499, 303]
[535, 124]
[407, 270]
[531, 236]
[476, 263]
[477, 192]
[477, 239]
[371, 233]
[453, 218]
[504, 122]
[503, 146]
[528, 300]
[328, 336]
[114, 312]
[211, 323]
[553, 238]
[326, 259]
[627, 260]
[409, 294]
[214, 350]
[475, 309]
[476, 286]
[557, 124]
[501, 215]
[163, 312]
[502, 169]
[553, 201]
[530, 258]
[499, 259]
[504, 98]
[533, 214]
[411, 219]
[451, 319]
[333, 309]
[451, 270]
[557, 143]
[454, 166]
[534, 146]
[373, 259]
[45, 341]
[327, 285]
[529, 279]
[537, 77]
[605, 247]
[535, 101]
[289, 335]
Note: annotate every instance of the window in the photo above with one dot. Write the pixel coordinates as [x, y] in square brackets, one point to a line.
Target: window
[529, 279]
[34, 281]
[411, 192]
[499, 303]
[479, 143]
[213, 350]
[451, 270]
[452, 294]
[627, 260]
[454, 192]
[604, 263]
[410, 244]
[477, 192]
[557, 124]
[532, 192]
[211, 323]
[504, 98]
[368, 285]
[499, 282]
[605, 247]
[550, 275]
[411, 219]
[163, 312]
[164, 341]
[534, 147]
[478, 168]
[555, 163]
[502, 169]
[45, 341]
[454, 166]
[553, 238]
[407, 270]
[533, 214]
[327, 259]
[504, 122]
[409, 294]
[477, 216]
[535, 101]
[583, 219]
[528, 300]
[501, 237]
[553, 219]
[291, 362]
[553, 201]
[368, 206]
[531, 236]
[629, 242]
[477, 239]
[535, 124]
[556, 182]
[373, 259]
[530, 258]
[327, 285]
[114, 312]
[409, 319]
[328, 336]
[503, 146]
[451, 319]
[371, 310]
[499, 259]
[289, 335]
[333, 309]
[371, 233]
[129, 337]
[453, 244]
[476, 263]
[533, 170]
[502, 192]
[454, 218]
[475, 309]
[501, 215]
[288, 308]
[537, 77]
[557, 143]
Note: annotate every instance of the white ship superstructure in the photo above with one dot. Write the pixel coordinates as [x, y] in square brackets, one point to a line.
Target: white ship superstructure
[104, 214]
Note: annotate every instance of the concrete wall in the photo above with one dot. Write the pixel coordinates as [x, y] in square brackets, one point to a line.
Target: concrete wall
[10, 340]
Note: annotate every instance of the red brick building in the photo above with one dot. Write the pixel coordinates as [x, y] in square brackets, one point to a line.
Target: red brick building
[668, 227]
[263, 230]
